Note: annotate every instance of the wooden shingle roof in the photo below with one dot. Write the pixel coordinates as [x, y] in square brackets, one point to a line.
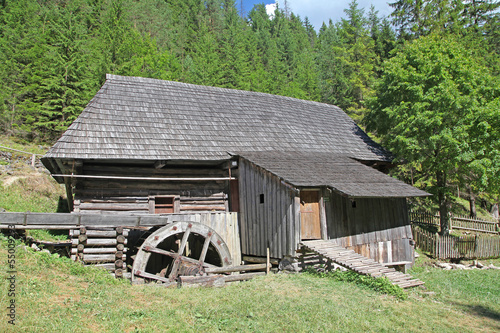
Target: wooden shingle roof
[338, 172]
[147, 119]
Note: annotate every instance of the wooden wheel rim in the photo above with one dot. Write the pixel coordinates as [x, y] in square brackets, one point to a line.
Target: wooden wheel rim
[170, 230]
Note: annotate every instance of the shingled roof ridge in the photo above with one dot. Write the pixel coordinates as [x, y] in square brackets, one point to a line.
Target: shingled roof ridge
[169, 83]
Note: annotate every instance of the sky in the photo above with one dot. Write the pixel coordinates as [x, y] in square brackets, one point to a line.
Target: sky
[319, 11]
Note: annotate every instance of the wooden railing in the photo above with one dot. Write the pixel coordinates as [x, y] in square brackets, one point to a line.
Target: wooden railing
[33, 156]
[457, 222]
[453, 247]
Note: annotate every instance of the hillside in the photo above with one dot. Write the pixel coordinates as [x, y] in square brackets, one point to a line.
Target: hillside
[24, 187]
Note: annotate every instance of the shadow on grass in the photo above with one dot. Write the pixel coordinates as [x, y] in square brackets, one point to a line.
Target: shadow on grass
[482, 312]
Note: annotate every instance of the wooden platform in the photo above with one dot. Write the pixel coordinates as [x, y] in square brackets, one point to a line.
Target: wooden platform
[358, 263]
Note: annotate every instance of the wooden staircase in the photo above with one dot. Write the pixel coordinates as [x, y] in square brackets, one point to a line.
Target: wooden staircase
[358, 263]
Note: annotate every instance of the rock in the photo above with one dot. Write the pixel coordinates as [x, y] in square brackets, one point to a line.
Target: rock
[479, 265]
[34, 247]
[444, 265]
[288, 264]
[46, 251]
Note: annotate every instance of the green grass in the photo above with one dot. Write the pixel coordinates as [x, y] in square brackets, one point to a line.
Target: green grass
[382, 285]
[23, 145]
[47, 235]
[34, 192]
[55, 294]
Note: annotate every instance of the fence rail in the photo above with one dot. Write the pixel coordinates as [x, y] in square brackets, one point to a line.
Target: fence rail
[458, 222]
[453, 247]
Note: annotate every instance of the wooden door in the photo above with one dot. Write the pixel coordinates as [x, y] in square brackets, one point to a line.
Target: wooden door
[310, 226]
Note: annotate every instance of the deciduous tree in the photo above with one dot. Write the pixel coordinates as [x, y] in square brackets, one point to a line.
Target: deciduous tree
[437, 106]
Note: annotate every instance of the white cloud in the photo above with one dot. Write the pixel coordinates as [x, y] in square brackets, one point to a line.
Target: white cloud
[270, 10]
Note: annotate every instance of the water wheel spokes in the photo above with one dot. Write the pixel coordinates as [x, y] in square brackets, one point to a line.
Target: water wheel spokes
[181, 248]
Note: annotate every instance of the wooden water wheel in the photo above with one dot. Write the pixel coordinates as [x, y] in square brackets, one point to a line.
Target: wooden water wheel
[179, 249]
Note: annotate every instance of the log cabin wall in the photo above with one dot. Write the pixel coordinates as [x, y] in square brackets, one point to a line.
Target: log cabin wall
[377, 228]
[269, 213]
[141, 196]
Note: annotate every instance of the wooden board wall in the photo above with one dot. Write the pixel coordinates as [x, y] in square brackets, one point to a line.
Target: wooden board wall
[225, 224]
[137, 196]
[377, 228]
[269, 213]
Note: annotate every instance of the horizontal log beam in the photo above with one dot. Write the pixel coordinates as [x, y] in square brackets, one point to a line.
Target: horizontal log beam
[97, 250]
[145, 178]
[97, 233]
[240, 268]
[97, 242]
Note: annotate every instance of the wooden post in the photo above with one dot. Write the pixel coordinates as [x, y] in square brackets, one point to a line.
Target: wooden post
[302, 259]
[268, 262]
[120, 240]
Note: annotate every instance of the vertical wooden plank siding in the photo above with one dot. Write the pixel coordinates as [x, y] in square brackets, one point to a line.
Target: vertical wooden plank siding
[224, 223]
[243, 209]
[271, 223]
[272, 238]
[322, 213]
[377, 227]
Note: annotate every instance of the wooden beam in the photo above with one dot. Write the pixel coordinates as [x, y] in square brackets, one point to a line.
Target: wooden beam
[144, 178]
[239, 268]
[68, 185]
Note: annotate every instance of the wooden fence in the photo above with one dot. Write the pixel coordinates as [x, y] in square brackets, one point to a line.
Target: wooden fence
[457, 222]
[453, 247]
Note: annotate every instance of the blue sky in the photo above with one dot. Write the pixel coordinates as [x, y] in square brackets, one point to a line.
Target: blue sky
[319, 11]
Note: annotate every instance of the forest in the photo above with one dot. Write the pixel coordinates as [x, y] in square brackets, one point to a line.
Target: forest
[423, 81]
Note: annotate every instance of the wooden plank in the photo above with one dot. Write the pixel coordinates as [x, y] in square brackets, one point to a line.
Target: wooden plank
[239, 268]
[259, 259]
[154, 277]
[202, 208]
[207, 281]
[96, 250]
[97, 242]
[243, 206]
[98, 233]
[95, 258]
[242, 277]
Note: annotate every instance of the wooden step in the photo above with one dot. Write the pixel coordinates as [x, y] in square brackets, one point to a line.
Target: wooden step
[358, 263]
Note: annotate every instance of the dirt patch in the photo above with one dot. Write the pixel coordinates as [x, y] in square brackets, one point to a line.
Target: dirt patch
[9, 180]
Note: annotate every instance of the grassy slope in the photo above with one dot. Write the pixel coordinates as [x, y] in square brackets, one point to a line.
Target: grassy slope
[58, 295]
[24, 188]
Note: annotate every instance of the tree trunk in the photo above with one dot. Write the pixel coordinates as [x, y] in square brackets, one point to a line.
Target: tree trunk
[494, 210]
[472, 204]
[444, 218]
